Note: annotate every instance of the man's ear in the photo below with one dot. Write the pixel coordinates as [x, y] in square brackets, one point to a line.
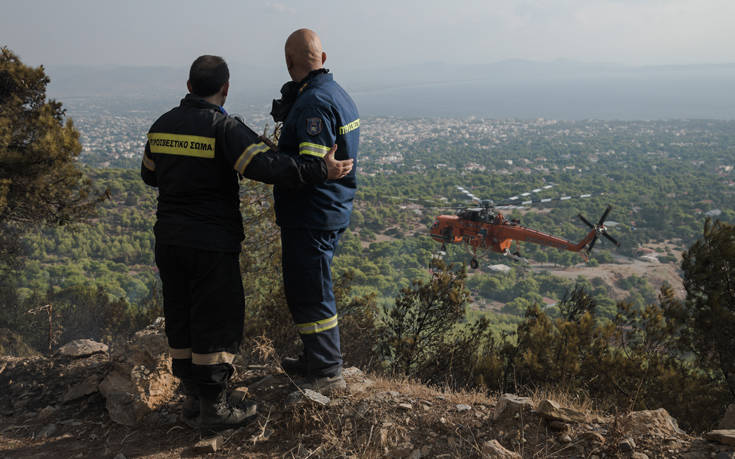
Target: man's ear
[324, 57]
[225, 88]
[188, 85]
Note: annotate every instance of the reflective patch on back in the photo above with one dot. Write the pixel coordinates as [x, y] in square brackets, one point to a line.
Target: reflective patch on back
[181, 145]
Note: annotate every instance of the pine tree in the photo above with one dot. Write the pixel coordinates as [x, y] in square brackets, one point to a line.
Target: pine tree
[709, 279]
[40, 180]
[423, 318]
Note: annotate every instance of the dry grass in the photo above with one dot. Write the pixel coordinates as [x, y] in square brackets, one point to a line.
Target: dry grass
[392, 417]
[262, 349]
[574, 400]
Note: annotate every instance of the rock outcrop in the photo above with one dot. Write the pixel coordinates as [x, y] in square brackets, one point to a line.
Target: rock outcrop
[555, 412]
[511, 405]
[140, 380]
[81, 348]
[658, 423]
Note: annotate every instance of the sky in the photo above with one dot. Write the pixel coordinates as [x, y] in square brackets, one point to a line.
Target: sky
[371, 34]
[567, 59]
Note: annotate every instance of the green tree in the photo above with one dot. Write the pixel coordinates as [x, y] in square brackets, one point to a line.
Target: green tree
[709, 279]
[423, 318]
[40, 181]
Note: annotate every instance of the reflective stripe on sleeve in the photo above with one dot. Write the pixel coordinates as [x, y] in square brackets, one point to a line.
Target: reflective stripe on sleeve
[314, 149]
[212, 359]
[184, 353]
[181, 145]
[148, 163]
[310, 328]
[248, 154]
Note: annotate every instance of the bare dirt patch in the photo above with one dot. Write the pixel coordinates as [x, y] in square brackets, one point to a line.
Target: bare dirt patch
[656, 273]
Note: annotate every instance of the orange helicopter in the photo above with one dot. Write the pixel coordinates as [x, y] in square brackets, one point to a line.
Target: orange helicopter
[485, 227]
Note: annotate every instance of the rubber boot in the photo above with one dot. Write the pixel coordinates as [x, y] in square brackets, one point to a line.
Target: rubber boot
[190, 407]
[326, 384]
[294, 366]
[217, 413]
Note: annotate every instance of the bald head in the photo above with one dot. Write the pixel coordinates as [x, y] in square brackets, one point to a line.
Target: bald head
[303, 53]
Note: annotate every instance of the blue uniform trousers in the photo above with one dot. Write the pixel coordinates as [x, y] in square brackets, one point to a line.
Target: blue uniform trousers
[307, 278]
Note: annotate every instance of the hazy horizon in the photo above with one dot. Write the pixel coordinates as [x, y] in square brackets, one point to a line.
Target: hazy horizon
[622, 59]
[511, 89]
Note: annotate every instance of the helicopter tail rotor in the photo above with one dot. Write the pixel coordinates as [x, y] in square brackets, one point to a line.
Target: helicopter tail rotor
[599, 229]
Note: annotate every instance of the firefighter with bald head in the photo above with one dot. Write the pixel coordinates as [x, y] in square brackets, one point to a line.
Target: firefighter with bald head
[316, 113]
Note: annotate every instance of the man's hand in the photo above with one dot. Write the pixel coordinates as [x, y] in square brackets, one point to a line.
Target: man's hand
[336, 169]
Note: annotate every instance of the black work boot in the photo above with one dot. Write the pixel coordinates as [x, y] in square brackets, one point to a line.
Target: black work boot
[217, 414]
[190, 407]
[326, 384]
[294, 366]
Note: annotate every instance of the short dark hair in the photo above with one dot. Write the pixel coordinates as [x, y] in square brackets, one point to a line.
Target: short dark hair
[208, 74]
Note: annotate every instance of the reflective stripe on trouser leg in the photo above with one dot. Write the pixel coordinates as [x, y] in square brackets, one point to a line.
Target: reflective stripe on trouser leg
[307, 258]
[204, 308]
[211, 371]
[309, 328]
[217, 317]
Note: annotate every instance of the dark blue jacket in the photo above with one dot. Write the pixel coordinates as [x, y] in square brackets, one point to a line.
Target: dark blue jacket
[193, 155]
[322, 115]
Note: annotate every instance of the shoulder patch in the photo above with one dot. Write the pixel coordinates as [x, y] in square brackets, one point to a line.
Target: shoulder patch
[313, 126]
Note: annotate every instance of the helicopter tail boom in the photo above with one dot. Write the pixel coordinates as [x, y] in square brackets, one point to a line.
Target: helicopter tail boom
[524, 234]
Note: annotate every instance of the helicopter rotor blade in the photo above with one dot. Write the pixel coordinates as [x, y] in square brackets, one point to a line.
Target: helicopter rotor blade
[592, 244]
[518, 201]
[587, 222]
[528, 193]
[604, 216]
[611, 239]
[526, 199]
[468, 193]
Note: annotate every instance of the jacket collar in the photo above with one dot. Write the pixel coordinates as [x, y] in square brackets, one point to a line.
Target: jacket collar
[192, 100]
[315, 78]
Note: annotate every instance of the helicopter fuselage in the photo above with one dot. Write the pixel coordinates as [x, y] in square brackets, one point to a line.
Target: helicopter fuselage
[487, 229]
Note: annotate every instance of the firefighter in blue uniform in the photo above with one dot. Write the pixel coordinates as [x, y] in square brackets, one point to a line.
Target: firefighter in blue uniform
[316, 113]
[194, 155]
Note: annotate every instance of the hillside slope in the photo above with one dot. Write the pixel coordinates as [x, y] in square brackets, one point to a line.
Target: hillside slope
[53, 407]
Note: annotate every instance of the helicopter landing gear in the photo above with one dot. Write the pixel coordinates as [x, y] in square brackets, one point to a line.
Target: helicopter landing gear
[474, 264]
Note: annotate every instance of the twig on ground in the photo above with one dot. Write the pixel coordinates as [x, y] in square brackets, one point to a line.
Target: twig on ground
[263, 427]
[173, 428]
[370, 437]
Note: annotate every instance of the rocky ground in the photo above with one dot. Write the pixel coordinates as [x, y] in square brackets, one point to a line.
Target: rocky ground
[86, 401]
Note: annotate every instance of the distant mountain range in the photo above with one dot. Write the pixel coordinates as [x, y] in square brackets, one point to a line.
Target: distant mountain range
[508, 89]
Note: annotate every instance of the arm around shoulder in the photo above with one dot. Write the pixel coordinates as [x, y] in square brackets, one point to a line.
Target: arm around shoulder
[148, 168]
[280, 169]
[253, 157]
